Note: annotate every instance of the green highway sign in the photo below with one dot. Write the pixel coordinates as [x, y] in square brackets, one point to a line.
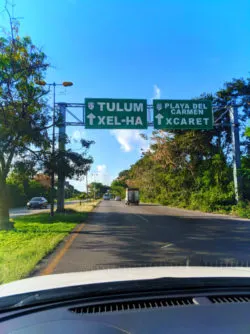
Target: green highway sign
[183, 114]
[115, 113]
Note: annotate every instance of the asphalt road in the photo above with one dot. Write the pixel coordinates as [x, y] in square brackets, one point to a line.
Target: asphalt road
[116, 235]
[24, 211]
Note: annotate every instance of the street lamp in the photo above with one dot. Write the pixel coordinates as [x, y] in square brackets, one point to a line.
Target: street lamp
[52, 184]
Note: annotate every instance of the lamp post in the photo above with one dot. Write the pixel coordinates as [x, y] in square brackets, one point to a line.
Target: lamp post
[94, 177]
[52, 182]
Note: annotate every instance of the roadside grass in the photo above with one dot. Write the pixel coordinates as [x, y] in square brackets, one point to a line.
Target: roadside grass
[83, 206]
[34, 237]
[76, 199]
[71, 199]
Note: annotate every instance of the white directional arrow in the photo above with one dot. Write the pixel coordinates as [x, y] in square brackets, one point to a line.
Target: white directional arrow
[91, 118]
[159, 118]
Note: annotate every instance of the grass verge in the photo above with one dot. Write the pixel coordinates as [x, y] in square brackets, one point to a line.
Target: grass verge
[34, 237]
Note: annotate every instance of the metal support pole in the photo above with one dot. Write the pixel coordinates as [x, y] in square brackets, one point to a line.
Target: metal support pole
[236, 152]
[53, 153]
[62, 143]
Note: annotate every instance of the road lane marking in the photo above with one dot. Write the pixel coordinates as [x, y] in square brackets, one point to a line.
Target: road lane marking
[167, 245]
[52, 265]
[146, 220]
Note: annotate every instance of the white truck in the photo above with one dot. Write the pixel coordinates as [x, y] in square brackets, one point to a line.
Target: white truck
[132, 196]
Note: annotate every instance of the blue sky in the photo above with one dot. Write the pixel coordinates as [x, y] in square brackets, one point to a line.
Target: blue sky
[136, 49]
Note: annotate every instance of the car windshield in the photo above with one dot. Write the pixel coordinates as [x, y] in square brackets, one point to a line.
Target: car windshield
[124, 136]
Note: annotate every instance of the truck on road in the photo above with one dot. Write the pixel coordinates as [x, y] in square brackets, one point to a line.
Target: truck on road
[132, 196]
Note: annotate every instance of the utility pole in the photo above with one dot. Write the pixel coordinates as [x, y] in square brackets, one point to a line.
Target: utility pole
[87, 183]
[94, 178]
[87, 190]
[236, 152]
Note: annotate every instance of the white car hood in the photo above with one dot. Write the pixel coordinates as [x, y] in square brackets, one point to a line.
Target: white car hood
[114, 275]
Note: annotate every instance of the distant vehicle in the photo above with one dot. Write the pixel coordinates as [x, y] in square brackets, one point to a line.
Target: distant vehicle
[37, 202]
[106, 197]
[132, 196]
[118, 198]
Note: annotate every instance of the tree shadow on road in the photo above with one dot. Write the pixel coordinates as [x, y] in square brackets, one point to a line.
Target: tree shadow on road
[153, 239]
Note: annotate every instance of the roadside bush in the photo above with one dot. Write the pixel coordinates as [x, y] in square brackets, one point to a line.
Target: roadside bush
[242, 209]
[212, 199]
[18, 195]
[36, 189]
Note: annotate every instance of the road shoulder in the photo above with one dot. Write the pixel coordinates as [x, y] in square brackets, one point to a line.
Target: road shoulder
[48, 264]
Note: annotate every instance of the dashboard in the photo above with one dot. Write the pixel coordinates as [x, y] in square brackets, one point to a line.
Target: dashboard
[199, 313]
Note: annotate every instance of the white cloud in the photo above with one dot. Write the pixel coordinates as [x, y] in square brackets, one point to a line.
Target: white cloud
[124, 137]
[79, 185]
[157, 92]
[102, 175]
[77, 135]
[101, 168]
[129, 139]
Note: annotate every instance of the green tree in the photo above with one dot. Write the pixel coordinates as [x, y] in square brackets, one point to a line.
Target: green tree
[97, 189]
[71, 192]
[68, 164]
[22, 188]
[245, 168]
[118, 187]
[24, 171]
[23, 112]
[15, 191]
[194, 168]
